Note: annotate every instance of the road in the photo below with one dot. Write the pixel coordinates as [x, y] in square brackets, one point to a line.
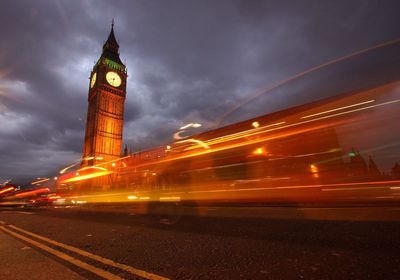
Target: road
[274, 243]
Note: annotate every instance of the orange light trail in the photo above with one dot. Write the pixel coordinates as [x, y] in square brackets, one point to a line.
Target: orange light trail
[68, 167]
[109, 162]
[170, 198]
[32, 192]
[260, 130]
[62, 171]
[40, 181]
[243, 133]
[301, 187]
[87, 176]
[240, 144]
[6, 190]
[198, 142]
[93, 167]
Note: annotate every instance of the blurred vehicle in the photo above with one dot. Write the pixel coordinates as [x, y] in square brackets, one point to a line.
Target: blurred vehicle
[313, 152]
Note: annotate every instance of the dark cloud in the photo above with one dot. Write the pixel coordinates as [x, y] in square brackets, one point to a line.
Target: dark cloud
[187, 61]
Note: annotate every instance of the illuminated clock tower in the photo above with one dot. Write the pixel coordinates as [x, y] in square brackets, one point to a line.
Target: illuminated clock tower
[105, 115]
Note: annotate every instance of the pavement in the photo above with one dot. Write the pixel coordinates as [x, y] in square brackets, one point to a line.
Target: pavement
[21, 261]
[280, 243]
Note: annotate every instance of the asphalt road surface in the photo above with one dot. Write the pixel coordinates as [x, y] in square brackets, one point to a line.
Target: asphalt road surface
[226, 243]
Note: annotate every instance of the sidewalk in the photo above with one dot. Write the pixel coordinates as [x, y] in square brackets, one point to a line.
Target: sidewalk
[19, 261]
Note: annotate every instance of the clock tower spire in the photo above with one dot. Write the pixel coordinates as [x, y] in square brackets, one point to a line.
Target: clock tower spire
[106, 98]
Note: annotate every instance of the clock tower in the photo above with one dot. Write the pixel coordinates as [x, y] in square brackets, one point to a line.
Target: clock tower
[105, 115]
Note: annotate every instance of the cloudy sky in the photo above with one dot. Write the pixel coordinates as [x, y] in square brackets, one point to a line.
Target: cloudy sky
[187, 61]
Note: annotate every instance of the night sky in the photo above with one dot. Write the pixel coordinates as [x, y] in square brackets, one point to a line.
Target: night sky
[188, 61]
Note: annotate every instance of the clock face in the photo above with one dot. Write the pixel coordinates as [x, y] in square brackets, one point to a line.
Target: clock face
[93, 79]
[113, 79]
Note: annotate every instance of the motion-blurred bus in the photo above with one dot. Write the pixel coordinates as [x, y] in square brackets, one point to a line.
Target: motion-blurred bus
[322, 151]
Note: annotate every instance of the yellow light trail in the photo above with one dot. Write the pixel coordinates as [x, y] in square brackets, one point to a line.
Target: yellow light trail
[260, 130]
[40, 181]
[87, 176]
[199, 142]
[338, 109]
[359, 109]
[93, 167]
[62, 171]
[237, 135]
[6, 190]
[304, 187]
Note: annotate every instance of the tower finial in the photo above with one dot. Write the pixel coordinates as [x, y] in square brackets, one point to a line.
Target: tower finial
[112, 23]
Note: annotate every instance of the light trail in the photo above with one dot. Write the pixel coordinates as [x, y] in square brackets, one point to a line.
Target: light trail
[93, 167]
[100, 195]
[241, 134]
[195, 125]
[6, 190]
[350, 189]
[170, 198]
[87, 176]
[302, 122]
[62, 171]
[40, 181]
[359, 109]
[306, 187]
[32, 192]
[338, 109]
[303, 73]
[198, 142]
[177, 135]
[236, 145]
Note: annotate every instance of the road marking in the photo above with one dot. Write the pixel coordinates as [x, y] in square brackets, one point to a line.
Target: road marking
[98, 271]
[106, 261]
